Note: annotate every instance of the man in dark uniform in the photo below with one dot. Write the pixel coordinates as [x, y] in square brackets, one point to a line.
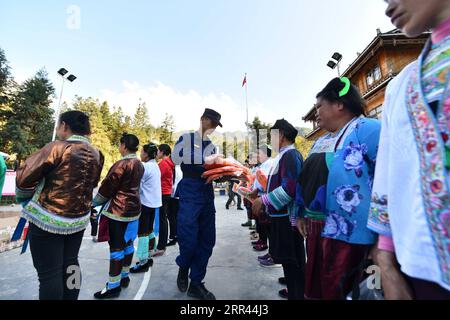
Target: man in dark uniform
[196, 230]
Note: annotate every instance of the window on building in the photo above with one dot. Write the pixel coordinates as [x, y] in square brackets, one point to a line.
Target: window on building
[373, 75]
[375, 113]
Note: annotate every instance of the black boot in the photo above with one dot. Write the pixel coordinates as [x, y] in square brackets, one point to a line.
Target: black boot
[108, 293]
[139, 268]
[183, 280]
[283, 293]
[200, 292]
[172, 242]
[247, 224]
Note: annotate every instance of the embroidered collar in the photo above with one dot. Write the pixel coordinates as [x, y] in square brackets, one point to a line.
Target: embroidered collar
[130, 156]
[420, 84]
[79, 138]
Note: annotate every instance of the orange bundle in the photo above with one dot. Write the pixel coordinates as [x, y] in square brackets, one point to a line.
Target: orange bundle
[218, 162]
[217, 168]
[243, 191]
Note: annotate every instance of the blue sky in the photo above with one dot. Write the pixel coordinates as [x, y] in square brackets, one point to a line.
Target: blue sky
[180, 56]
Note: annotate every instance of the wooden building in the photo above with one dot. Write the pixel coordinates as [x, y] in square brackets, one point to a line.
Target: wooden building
[383, 59]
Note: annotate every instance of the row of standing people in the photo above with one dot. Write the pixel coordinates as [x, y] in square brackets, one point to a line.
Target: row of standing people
[55, 187]
[365, 188]
[371, 189]
[155, 190]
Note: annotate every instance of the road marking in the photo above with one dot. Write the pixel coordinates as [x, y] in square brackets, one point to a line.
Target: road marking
[144, 285]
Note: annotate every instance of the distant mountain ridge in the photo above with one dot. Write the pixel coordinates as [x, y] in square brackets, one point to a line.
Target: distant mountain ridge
[240, 135]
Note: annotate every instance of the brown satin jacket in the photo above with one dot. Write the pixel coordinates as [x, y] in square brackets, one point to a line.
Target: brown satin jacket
[71, 170]
[121, 186]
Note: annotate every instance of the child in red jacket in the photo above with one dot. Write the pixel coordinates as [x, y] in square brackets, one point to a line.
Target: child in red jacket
[167, 168]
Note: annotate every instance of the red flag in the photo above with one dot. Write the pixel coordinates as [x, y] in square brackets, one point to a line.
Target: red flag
[245, 80]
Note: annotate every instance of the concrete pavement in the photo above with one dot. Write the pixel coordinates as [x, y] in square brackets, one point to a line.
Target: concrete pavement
[233, 271]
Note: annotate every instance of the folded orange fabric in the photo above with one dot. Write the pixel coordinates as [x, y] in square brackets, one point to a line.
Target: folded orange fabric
[218, 167]
[222, 170]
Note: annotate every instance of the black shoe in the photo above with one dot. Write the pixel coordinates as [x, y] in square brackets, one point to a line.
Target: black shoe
[240, 208]
[228, 208]
[108, 293]
[253, 227]
[139, 268]
[172, 242]
[282, 281]
[125, 282]
[283, 293]
[200, 292]
[247, 224]
[183, 280]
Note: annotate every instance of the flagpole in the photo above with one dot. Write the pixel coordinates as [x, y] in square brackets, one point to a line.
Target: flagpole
[246, 100]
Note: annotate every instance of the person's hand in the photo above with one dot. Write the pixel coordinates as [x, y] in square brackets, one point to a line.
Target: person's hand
[253, 195]
[302, 228]
[94, 213]
[258, 207]
[214, 158]
[394, 283]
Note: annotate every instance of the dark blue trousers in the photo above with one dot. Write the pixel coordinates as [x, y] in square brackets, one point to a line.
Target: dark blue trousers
[196, 227]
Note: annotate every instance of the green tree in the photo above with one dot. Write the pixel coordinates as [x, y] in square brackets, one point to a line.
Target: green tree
[141, 126]
[100, 132]
[29, 122]
[167, 129]
[117, 125]
[303, 145]
[5, 78]
[258, 125]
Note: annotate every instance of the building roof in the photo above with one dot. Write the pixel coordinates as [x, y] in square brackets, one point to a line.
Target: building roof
[394, 38]
[391, 38]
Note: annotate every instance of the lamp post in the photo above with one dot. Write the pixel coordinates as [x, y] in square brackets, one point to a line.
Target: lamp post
[62, 72]
[335, 62]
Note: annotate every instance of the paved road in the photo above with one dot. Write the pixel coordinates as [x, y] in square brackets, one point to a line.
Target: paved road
[233, 271]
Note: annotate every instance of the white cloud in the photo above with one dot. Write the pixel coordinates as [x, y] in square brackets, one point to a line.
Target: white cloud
[186, 107]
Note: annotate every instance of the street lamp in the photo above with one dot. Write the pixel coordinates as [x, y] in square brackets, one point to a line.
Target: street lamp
[62, 72]
[337, 57]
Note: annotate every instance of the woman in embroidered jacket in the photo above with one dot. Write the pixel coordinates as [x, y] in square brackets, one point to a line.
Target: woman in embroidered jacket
[55, 186]
[334, 191]
[286, 243]
[411, 197]
[119, 192]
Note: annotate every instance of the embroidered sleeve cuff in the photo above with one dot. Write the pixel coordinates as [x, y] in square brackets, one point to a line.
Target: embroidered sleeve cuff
[279, 198]
[23, 195]
[265, 200]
